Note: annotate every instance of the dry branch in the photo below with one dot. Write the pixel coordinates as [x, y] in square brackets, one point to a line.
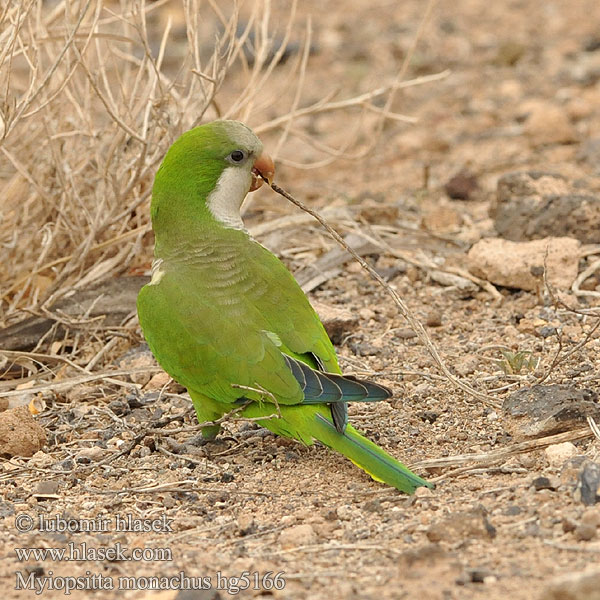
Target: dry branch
[489, 458]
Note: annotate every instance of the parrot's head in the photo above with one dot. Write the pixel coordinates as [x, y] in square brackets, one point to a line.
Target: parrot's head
[206, 175]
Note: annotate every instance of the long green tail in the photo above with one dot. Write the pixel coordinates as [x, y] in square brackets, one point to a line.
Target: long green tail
[307, 423]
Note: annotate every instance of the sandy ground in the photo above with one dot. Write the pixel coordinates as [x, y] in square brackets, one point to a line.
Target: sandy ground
[276, 514]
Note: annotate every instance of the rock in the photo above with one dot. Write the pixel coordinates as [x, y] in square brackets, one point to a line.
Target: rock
[426, 555]
[591, 517]
[511, 89]
[532, 326]
[592, 43]
[579, 108]
[466, 365]
[428, 416]
[89, 455]
[588, 483]
[542, 483]
[366, 313]
[140, 358]
[547, 123]
[558, 454]
[373, 506]
[477, 575]
[534, 204]
[337, 321]
[589, 152]
[585, 532]
[158, 381]
[521, 185]
[462, 186]
[520, 264]
[423, 492]
[510, 53]
[405, 333]
[583, 69]
[20, 433]
[119, 407]
[569, 474]
[377, 210]
[298, 535]
[527, 460]
[345, 512]
[46, 489]
[550, 409]
[462, 526]
[574, 586]
[434, 319]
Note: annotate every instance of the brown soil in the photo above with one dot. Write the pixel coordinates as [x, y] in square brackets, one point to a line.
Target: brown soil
[235, 505]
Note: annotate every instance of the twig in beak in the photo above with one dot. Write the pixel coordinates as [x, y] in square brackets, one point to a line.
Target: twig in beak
[404, 310]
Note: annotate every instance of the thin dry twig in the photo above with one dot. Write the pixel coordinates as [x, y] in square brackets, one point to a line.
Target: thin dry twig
[494, 456]
[71, 382]
[404, 310]
[559, 357]
[587, 272]
[594, 427]
[430, 267]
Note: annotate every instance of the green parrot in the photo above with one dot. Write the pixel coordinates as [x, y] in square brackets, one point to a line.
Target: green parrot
[226, 319]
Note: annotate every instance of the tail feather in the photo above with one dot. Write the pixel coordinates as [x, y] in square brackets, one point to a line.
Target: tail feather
[380, 465]
[312, 422]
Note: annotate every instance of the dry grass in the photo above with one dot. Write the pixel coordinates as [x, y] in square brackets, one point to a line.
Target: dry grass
[93, 94]
[90, 109]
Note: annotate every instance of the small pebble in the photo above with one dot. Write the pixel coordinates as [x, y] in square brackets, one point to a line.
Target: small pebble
[591, 517]
[585, 532]
[461, 186]
[373, 506]
[542, 483]
[423, 492]
[88, 455]
[344, 512]
[429, 416]
[46, 488]
[434, 319]
[558, 454]
[405, 333]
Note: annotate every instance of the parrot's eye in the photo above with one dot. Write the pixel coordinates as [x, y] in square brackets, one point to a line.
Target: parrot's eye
[237, 156]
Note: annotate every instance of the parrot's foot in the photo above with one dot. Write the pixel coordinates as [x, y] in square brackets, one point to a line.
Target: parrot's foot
[210, 432]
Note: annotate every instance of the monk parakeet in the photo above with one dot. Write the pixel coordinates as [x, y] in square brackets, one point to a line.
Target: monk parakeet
[226, 319]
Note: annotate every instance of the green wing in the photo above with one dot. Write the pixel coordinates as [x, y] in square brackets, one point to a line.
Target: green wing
[289, 313]
[228, 317]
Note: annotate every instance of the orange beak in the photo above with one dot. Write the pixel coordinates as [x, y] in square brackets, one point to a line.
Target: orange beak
[264, 168]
